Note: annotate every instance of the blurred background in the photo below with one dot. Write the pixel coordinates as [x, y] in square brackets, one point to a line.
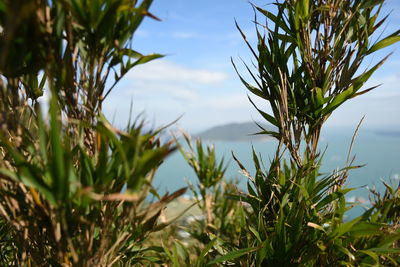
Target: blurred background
[196, 80]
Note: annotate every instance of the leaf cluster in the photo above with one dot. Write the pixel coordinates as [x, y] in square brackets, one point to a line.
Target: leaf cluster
[308, 60]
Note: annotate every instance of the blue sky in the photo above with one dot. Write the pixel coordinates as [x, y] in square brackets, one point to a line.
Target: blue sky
[196, 78]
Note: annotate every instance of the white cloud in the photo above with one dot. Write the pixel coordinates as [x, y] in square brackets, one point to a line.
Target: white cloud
[166, 71]
[144, 89]
[229, 101]
[163, 80]
[388, 91]
[388, 83]
[166, 90]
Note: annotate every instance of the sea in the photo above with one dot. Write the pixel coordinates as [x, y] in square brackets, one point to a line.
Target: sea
[378, 152]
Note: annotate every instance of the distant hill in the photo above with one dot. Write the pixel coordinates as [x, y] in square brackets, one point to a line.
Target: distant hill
[391, 133]
[235, 132]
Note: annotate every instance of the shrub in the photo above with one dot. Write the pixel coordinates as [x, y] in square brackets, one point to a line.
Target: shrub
[308, 64]
[74, 191]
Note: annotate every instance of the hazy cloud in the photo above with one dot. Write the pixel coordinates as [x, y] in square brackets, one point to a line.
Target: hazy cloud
[389, 86]
[166, 71]
[156, 89]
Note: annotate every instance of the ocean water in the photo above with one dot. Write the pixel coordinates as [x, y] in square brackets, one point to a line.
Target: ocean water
[379, 153]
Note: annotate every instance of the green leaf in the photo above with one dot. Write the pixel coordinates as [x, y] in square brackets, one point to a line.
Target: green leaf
[204, 252]
[372, 254]
[344, 228]
[332, 197]
[232, 255]
[385, 250]
[277, 20]
[9, 174]
[182, 251]
[141, 12]
[366, 229]
[147, 58]
[250, 87]
[319, 98]
[345, 251]
[148, 161]
[389, 240]
[265, 115]
[303, 8]
[106, 130]
[359, 81]
[256, 234]
[384, 43]
[371, 3]
[338, 100]
[42, 135]
[27, 173]
[60, 184]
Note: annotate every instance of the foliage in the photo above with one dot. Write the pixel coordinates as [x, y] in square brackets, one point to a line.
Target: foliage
[70, 207]
[216, 231]
[308, 64]
[75, 191]
[74, 46]
[208, 171]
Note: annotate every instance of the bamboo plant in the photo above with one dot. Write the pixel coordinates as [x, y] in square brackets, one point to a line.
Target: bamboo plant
[74, 191]
[309, 60]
